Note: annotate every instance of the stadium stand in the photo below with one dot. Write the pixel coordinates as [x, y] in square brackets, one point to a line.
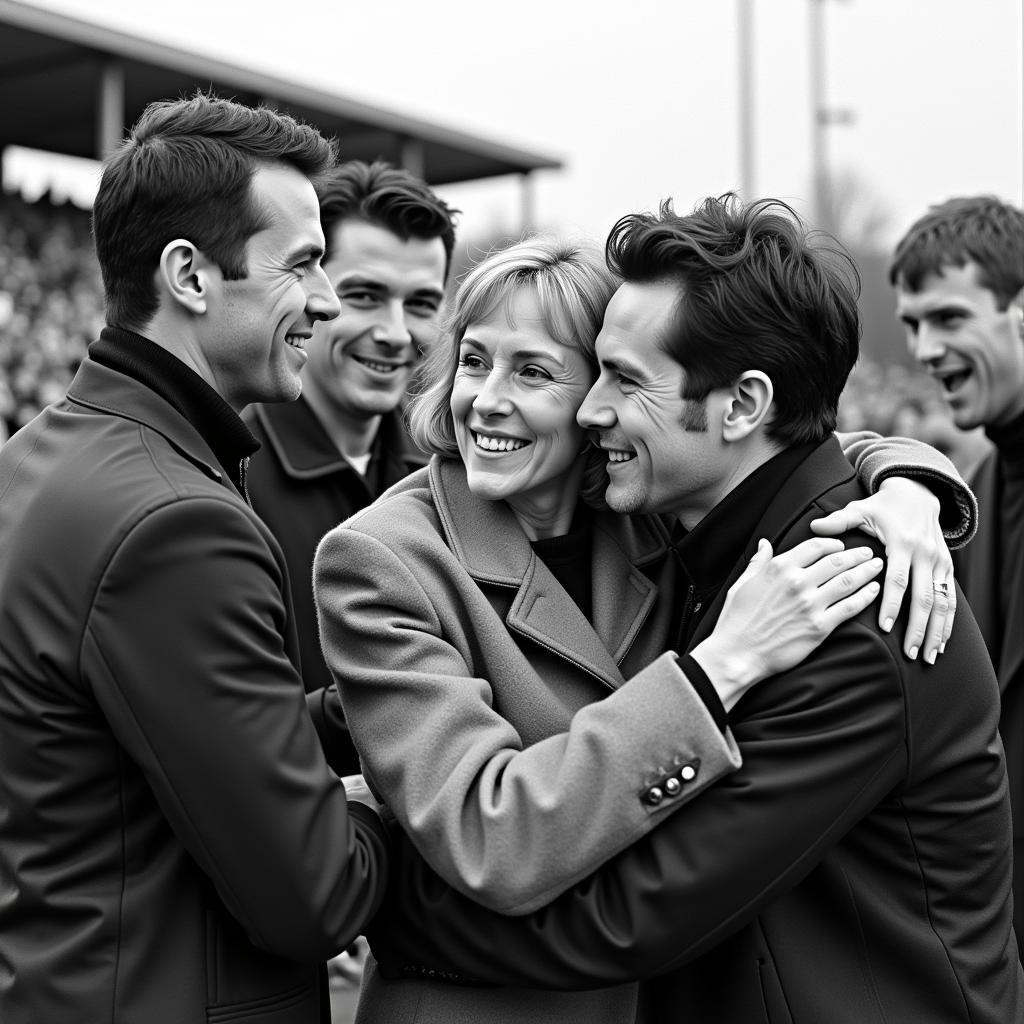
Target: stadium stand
[51, 303]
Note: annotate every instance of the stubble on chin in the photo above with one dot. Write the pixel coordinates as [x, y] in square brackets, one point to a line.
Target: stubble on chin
[288, 390]
[624, 501]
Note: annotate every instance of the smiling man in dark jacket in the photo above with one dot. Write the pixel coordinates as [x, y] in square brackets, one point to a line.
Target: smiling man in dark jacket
[856, 868]
[173, 846]
[342, 443]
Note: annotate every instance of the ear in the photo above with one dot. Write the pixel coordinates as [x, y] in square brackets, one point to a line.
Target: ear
[1017, 311]
[748, 405]
[185, 275]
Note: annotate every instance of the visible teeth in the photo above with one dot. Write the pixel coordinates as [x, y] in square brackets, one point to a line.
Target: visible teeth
[295, 340]
[617, 456]
[379, 367]
[498, 444]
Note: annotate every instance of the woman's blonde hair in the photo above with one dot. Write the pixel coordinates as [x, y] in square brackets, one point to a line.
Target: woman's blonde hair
[572, 285]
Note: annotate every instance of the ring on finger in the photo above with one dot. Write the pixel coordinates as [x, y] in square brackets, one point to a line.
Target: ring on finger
[940, 586]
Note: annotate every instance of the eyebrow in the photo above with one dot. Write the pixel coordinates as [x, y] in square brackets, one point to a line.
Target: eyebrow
[520, 353]
[946, 306]
[618, 364]
[372, 284]
[304, 253]
[355, 281]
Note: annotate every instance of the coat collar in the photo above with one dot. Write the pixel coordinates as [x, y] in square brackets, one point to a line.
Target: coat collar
[106, 390]
[305, 450]
[824, 468]
[708, 552]
[487, 539]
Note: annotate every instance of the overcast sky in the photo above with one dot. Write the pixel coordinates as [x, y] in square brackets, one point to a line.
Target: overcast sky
[643, 103]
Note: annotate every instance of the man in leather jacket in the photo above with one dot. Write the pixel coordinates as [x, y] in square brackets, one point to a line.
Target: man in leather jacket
[173, 845]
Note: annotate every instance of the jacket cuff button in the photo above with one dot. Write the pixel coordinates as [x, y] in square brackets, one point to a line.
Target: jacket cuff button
[673, 786]
[688, 773]
[654, 796]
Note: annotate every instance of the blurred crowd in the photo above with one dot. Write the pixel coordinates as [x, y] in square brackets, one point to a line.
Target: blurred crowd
[51, 307]
[51, 304]
[896, 401]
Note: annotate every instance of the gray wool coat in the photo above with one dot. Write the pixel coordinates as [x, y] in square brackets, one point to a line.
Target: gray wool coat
[516, 743]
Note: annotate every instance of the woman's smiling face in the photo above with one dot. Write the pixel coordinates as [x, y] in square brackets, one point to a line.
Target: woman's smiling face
[514, 401]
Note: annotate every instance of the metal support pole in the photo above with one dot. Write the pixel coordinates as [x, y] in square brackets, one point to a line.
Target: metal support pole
[110, 122]
[747, 99]
[527, 202]
[412, 156]
[819, 155]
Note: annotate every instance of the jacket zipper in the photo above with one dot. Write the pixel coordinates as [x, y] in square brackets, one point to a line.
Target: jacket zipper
[243, 466]
[691, 608]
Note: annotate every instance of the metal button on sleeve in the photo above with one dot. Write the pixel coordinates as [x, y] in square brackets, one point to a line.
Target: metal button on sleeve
[673, 786]
[688, 773]
[654, 796]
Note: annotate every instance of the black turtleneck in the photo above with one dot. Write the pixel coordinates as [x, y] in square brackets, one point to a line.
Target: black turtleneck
[1009, 440]
[568, 558]
[216, 422]
[708, 553]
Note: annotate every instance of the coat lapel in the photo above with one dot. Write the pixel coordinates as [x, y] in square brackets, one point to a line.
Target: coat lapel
[623, 596]
[487, 539]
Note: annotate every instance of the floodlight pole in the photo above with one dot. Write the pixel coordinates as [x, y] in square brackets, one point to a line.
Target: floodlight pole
[747, 99]
[413, 156]
[819, 154]
[822, 115]
[527, 202]
[110, 119]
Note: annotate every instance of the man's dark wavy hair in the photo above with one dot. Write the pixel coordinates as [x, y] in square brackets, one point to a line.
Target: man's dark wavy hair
[185, 172]
[386, 197]
[967, 229]
[757, 291]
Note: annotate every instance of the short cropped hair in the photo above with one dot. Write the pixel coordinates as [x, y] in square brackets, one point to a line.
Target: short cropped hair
[757, 291]
[967, 229]
[185, 172]
[386, 197]
[573, 287]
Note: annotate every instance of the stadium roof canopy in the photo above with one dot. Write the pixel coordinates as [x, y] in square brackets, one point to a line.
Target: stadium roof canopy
[68, 86]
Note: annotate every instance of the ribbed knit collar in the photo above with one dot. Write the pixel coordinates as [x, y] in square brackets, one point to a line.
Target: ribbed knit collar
[569, 545]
